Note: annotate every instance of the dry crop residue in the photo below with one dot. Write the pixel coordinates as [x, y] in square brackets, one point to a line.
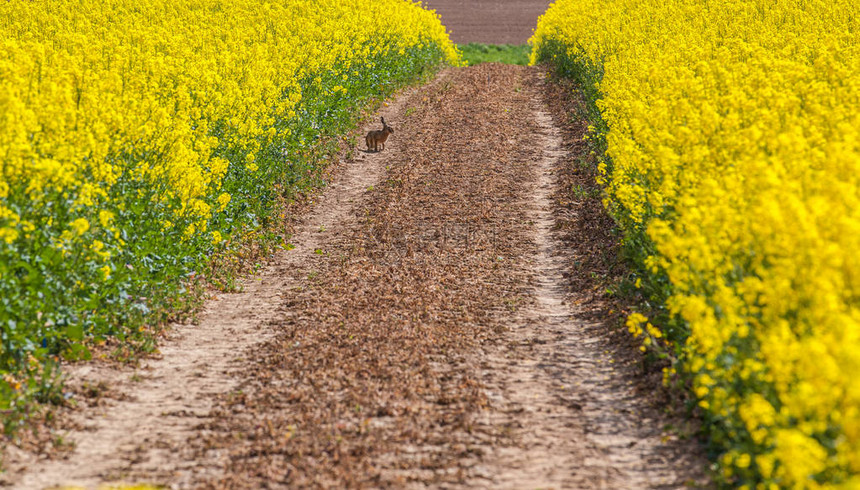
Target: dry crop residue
[437, 340]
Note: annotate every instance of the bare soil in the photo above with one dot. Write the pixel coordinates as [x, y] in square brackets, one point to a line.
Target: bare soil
[442, 322]
[489, 21]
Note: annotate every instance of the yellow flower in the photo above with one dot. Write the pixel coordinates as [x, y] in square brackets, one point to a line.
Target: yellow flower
[105, 218]
[189, 231]
[80, 226]
[8, 235]
[634, 323]
[223, 200]
[98, 247]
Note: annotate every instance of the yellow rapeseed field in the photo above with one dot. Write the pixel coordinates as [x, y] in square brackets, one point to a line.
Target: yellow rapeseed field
[81, 82]
[136, 137]
[732, 132]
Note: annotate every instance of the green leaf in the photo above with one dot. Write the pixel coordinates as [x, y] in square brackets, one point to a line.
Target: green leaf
[75, 332]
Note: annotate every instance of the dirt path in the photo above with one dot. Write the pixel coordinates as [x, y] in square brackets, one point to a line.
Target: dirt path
[438, 324]
[139, 429]
[437, 344]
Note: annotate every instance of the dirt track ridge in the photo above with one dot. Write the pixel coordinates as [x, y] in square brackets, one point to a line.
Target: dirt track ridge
[578, 421]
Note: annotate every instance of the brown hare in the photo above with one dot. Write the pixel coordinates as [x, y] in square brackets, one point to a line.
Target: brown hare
[376, 138]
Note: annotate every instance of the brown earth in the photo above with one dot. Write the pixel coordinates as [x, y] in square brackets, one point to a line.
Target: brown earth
[438, 341]
[489, 21]
[443, 321]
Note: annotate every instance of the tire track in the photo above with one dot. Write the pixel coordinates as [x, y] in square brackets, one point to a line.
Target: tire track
[578, 420]
[141, 432]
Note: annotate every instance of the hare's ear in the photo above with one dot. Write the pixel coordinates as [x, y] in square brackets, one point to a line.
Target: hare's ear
[383, 120]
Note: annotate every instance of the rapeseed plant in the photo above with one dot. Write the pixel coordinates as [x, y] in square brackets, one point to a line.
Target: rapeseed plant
[137, 137]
